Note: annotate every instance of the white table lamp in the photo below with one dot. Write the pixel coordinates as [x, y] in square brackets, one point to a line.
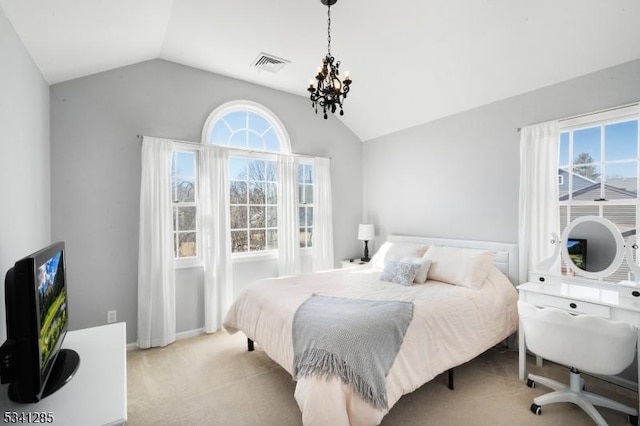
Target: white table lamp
[366, 233]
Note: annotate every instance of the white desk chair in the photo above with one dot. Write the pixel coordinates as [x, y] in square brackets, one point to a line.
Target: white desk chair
[581, 342]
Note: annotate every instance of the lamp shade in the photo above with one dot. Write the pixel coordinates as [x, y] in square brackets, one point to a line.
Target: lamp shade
[366, 232]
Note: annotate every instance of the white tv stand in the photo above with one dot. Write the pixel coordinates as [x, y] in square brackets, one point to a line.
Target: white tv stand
[95, 395]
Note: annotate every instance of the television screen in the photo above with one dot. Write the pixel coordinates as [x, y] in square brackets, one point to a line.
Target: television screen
[577, 248]
[52, 305]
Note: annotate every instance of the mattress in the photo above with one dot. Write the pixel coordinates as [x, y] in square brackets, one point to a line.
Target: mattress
[451, 325]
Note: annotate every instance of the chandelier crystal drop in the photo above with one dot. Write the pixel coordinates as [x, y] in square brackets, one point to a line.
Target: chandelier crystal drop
[326, 89]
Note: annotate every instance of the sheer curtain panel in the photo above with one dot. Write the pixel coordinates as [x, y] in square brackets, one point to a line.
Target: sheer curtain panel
[156, 280]
[216, 238]
[538, 203]
[323, 216]
[288, 231]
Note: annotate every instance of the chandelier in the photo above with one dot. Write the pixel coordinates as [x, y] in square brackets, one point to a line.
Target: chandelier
[327, 90]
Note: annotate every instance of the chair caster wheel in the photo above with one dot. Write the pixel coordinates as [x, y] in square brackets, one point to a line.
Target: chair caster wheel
[536, 409]
[633, 420]
[531, 383]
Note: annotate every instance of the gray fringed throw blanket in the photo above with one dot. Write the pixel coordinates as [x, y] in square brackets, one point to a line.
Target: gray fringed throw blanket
[354, 339]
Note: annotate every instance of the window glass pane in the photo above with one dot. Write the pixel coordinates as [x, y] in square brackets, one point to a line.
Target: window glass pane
[254, 141]
[220, 134]
[621, 140]
[236, 119]
[238, 140]
[272, 193]
[305, 237]
[258, 123]
[239, 241]
[238, 192]
[272, 216]
[257, 170]
[271, 141]
[238, 217]
[309, 216]
[586, 145]
[621, 181]
[272, 171]
[257, 217]
[302, 216]
[257, 240]
[308, 199]
[184, 163]
[187, 244]
[563, 153]
[272, 239]
[237, 168]
[257, 193]
[185, 190]
[186, 218]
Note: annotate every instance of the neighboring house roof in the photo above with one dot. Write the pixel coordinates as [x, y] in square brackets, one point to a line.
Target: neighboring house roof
[614, 189]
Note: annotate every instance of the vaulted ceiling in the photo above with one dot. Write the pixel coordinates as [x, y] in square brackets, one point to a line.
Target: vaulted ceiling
[411, 61]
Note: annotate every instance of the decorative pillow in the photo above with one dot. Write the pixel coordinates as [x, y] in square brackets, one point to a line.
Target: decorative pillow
[423, 267]
[459, 266]
[394, 251]
[400, 272]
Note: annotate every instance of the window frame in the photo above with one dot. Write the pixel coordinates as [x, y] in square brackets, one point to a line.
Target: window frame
[192, 261]
[599, 120]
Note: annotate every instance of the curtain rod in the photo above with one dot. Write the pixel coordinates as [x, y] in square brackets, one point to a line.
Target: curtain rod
[236, 150]
[586, 114]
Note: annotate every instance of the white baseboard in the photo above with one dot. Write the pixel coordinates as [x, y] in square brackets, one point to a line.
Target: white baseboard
[179, 336]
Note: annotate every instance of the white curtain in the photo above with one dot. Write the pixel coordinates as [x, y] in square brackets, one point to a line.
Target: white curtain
[538, 204]
[156, 280]
[322, 216]
[216, 237]
[288, 231]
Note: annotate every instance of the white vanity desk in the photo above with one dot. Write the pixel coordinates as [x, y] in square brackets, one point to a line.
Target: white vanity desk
[613, 301]
[587, 294]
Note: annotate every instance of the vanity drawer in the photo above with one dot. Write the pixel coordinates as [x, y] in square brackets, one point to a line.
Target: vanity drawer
[569, 305]
[629, 292]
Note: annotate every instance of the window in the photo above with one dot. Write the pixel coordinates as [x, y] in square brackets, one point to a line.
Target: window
[184, 194]
[253, 204]
[254, 134]
[598, 175]
[305, 200]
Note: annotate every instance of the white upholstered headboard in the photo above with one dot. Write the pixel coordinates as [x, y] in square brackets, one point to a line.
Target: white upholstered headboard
[506, 259]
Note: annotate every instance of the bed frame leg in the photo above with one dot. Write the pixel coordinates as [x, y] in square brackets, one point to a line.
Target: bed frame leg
[249, 345]
[451, 378]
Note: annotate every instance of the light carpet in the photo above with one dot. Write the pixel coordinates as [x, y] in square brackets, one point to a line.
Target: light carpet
[213, 380]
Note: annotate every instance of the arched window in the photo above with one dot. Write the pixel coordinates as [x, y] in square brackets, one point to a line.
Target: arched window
[246, 125]
[254, 134]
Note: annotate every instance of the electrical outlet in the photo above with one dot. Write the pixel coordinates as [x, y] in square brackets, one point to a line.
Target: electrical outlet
[111, 317]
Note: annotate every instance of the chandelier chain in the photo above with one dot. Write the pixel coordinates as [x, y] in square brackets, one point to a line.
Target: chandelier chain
[329, 29]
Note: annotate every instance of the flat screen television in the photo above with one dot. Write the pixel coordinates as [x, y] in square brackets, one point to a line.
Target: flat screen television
[32, 359]
[577, 248]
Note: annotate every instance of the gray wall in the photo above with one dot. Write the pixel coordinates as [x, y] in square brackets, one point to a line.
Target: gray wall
[96, 176]
[25, 222]
[458, 177]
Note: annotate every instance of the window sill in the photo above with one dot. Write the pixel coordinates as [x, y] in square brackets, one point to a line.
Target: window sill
[188, 263]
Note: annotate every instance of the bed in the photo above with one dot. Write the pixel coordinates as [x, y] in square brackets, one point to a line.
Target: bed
[466, 305]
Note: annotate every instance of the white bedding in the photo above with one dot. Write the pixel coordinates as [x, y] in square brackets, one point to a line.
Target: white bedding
[451, 325]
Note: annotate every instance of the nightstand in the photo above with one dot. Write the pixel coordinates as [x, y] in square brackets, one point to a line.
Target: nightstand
[351, 263]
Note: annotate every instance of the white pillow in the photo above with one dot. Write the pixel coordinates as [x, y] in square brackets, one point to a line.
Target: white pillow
[459, 266]
[423, 267]
[393, 251]
[399, 272]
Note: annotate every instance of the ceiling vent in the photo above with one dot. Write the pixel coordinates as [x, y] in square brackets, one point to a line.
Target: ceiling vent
[267, 62]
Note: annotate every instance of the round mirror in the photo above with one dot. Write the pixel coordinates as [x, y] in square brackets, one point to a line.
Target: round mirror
[592, 247]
